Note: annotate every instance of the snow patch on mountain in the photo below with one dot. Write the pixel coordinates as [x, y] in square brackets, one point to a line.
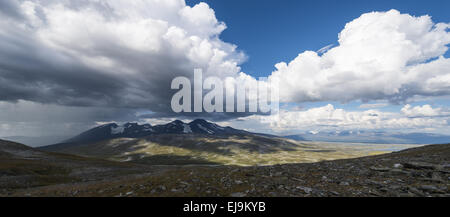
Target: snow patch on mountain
[187, 128]
[117, 130]
[204, 129]
[149, 130]
[218, 127]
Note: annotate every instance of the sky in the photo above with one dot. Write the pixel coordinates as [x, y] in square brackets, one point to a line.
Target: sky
[275, 32]
[66, 66]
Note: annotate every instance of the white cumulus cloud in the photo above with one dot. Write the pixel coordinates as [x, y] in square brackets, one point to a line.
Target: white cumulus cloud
[328, 117]
[381, 55]
[423, 111]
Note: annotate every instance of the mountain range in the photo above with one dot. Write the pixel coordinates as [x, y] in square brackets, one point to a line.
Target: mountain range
[201, 142]
[372, 137]
[204, 128]
[135, 130]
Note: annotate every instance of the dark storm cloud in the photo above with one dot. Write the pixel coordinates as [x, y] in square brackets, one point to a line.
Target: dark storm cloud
[10, 9]
[32, 72]
[40, 71]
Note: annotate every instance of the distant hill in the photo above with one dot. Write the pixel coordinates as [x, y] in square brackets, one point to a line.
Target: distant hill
[35, 141]
[373, 137]
[23, 167]
[10, 149]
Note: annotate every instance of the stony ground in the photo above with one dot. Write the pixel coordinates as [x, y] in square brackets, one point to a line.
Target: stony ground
[423, 172]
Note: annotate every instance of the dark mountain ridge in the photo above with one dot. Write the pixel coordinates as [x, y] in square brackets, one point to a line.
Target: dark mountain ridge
[135, 130]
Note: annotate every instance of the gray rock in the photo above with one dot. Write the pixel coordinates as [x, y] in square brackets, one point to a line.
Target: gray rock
[238, 182]
[398, 166]
[395, 187]
[296, 179]
[238, 194]
[419, 166]
[430, 188]
[334, 193]
[384, 190]
[344, 183]
[380, 169]
[372, 182]
[305, 189]
[436, 177]
[416, 191]
[399, 172]
[408, 194]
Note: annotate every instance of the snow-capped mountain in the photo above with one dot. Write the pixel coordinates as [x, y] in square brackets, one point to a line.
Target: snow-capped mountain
[135, 130]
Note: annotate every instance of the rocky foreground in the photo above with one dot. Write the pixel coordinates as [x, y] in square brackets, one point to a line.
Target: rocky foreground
[422, 172]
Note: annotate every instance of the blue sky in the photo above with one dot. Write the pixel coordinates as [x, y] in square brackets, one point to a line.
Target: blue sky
[272, 31]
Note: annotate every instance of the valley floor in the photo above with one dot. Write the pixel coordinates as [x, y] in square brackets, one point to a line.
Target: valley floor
[423, 171]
